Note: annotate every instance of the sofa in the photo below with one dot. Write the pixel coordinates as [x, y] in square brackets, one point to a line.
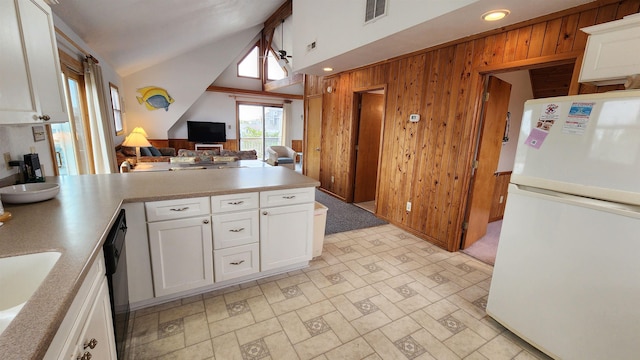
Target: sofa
[150, 154]
[204, 156]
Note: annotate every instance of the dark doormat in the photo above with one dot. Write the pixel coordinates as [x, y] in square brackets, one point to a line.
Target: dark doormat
[343, 216]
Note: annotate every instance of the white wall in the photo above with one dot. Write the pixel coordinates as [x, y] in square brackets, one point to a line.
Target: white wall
[337, 26]
[520, 92]
[18, 140]
[221, 107]
[185, 78]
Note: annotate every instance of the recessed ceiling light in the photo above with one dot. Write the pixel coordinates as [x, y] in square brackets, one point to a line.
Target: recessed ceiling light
[495, 15]
[327, 69]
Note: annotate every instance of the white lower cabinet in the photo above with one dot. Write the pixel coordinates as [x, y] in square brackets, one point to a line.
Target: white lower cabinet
[86, 332]
[181, 254]
[195, 242]
[286, 235]
[94, 341]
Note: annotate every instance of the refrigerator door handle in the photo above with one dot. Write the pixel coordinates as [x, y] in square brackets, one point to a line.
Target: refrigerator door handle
[632, 211]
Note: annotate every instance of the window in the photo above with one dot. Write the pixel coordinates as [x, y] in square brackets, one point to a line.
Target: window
[374, 9]
[117, 109]
[249, 65]
[260, 126]
[274, 70]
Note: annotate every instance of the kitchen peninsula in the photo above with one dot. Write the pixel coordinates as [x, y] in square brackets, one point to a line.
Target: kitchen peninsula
[76, 222]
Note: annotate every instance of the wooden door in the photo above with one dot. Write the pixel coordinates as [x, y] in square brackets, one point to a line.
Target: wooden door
[314, 134]
[368, 147]
[494, 114]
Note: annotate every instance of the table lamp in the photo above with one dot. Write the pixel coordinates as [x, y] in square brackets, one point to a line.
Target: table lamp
[140, 130]
[137, 139]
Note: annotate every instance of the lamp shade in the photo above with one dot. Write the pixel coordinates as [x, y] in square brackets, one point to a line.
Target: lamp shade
[140, 130]
[136, 140]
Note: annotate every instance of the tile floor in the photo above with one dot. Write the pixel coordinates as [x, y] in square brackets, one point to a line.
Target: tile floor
[376, 293]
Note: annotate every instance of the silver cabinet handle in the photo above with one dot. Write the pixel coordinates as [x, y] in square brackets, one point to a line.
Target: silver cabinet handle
[265, 213]
[91, 344]
[85, 356]
[44, 117]
[205, 221]
[236, 230]
[236, 202]
[237, 262]
[289, 197]
[179, 209]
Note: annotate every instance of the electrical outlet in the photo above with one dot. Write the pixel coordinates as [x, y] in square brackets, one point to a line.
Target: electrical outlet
[408, 205]
[501, 198]
[7, 158]
[332, 178]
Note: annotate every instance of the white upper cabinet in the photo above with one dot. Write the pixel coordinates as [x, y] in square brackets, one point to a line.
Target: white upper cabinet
[31, 89]
[613, 51]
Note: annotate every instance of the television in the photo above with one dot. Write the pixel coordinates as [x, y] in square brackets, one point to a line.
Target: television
[206, 132]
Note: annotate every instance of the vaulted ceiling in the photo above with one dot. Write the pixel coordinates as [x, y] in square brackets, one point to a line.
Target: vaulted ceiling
[132, 35]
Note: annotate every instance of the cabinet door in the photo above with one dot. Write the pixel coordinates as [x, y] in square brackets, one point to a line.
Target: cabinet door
[286, 235]
[29, 66]
[181, 254]
[97, 336]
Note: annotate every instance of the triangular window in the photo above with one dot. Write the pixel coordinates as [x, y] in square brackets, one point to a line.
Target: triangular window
[249, 66]
[275, 71]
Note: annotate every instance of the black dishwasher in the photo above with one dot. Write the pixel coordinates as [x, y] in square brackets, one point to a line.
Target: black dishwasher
[115, 256]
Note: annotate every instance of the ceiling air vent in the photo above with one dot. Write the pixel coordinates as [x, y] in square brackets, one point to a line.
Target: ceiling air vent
[375, 9]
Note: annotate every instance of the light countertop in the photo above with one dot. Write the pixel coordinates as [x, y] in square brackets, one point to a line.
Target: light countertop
[76, 221]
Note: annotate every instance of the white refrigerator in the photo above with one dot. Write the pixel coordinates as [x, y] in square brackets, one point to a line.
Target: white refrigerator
[567, 272]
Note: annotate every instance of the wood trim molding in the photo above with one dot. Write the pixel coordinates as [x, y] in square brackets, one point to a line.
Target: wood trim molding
[253, 92]
[533, 63]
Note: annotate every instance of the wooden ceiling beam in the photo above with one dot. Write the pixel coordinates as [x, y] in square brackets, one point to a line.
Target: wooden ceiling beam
[277, 18]
[253, 92]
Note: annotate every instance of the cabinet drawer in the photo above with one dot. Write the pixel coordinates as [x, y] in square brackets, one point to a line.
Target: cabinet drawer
[176, 209]
[235, 229]
[236, 261]
[234, 202]
[287, 197]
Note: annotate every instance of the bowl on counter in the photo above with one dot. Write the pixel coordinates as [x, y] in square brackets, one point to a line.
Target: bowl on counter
[28, 193]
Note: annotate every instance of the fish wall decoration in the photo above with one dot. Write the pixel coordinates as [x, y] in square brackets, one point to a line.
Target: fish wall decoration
[154, 98]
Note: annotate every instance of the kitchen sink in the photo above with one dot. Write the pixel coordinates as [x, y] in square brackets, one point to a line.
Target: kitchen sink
[29, 193]
[20, 277]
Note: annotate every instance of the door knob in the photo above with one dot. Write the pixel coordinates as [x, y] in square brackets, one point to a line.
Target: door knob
[317, 149]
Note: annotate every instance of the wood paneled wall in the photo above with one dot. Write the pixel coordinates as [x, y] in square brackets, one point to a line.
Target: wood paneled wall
[429, 162]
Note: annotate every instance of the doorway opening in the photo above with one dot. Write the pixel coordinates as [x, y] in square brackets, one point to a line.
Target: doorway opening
[486, 203]
[370, 113]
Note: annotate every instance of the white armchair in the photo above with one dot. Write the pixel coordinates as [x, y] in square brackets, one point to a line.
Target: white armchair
[281, 155]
